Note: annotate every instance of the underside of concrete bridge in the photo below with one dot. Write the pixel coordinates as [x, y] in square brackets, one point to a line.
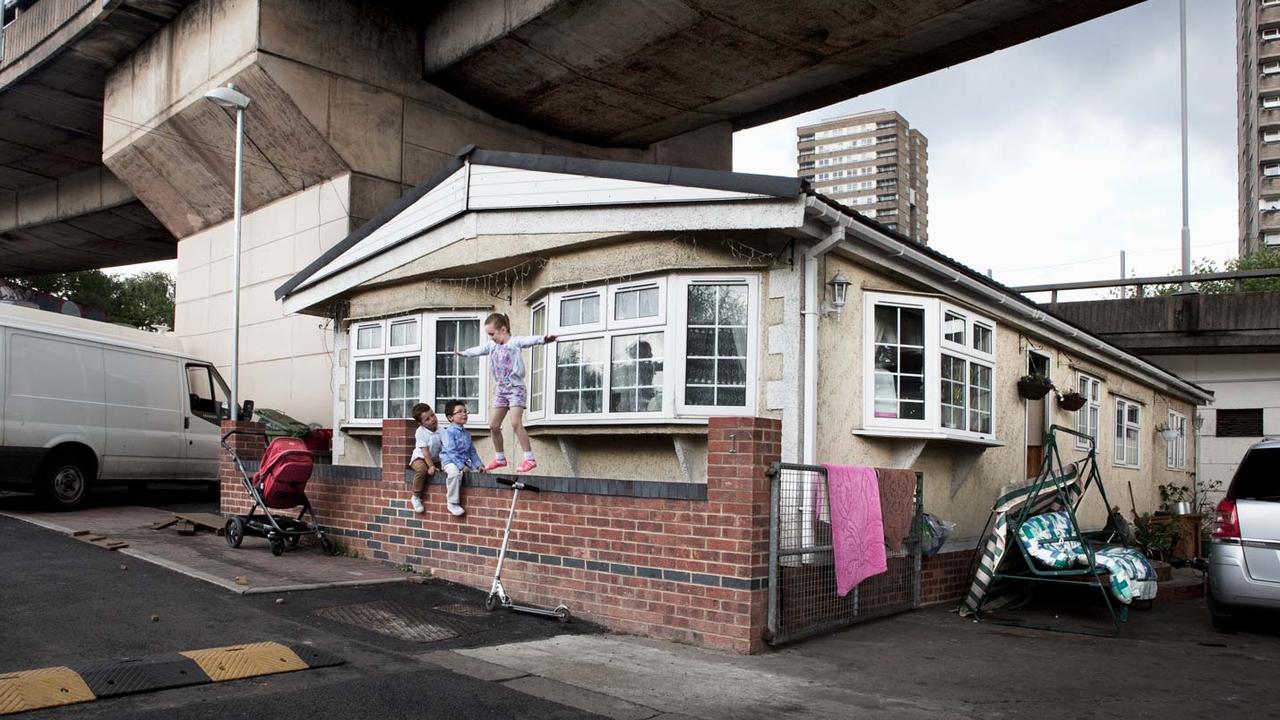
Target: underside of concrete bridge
[109, 154]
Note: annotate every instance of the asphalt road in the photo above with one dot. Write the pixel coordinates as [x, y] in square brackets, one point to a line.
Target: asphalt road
[67, 602]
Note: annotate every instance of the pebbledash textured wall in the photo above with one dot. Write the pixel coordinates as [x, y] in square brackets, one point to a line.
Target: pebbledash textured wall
[678, 561]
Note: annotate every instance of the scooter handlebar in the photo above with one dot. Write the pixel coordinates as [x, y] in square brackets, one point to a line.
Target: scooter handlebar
[518, 484]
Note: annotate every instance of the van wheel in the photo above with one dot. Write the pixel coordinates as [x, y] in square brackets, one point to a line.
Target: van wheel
[64, 481]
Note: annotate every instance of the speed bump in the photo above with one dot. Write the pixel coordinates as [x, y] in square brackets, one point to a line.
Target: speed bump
[49, 687]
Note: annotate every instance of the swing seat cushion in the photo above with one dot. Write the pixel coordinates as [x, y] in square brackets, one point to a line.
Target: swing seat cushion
[1049, 539]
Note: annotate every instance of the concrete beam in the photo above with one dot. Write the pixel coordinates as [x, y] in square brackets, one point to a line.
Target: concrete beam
[462, 28]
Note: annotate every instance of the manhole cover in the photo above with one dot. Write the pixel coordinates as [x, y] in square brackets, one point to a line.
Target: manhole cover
[463, 610]
[398, 621]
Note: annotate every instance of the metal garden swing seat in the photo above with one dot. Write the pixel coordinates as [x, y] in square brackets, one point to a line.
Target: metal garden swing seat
[1058, 487]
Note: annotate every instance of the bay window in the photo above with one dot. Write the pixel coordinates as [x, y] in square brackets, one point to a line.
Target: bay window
[635, 359]
[1128, 436]
[537, 361]
[1088, 415]
[400, 362]
[928, 368]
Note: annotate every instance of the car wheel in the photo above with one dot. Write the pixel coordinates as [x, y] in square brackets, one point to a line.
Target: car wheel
[64, 480]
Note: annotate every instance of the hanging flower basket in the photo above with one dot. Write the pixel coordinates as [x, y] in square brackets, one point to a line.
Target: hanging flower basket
[1169, 435]
[1071, 401]
[1033, 387]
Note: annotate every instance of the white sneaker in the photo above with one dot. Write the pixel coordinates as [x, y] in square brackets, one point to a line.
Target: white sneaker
[416, 502]
[456, 509]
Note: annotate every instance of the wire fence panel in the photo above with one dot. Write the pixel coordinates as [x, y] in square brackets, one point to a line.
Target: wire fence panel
[802, 574]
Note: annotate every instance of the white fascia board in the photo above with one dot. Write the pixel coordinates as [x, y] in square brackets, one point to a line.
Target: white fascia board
[459, 228]
[776, 213]
[494, 188]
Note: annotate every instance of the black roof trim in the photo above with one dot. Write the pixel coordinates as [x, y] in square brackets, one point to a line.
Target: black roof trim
[974, 274]
[772, 185]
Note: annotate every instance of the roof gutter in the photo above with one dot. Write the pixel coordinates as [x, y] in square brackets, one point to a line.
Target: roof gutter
[1070, 336]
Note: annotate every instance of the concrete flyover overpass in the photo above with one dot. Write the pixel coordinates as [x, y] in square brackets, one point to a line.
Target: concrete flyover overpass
[109, 156]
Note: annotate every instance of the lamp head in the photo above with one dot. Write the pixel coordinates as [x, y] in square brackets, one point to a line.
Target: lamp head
[839, 289]
[227, 97]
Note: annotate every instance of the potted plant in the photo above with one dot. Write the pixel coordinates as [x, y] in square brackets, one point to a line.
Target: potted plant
[1034, 386]
[1071, 401]
[1176, 499]
[1155, 539]
[1168, 434]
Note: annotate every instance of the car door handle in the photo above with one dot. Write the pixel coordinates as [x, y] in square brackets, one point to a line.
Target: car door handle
[186, 423]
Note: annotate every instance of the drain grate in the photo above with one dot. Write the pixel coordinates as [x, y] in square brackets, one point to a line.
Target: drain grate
[398, 621]
[463, 610]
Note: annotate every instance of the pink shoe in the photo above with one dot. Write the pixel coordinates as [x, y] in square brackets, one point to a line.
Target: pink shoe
[494, 465]
[527, 465]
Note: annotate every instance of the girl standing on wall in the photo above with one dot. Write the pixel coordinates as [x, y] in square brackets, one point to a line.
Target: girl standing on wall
[511, 396]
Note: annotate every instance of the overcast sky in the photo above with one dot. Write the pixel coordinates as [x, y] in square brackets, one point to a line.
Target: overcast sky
[1065, 150]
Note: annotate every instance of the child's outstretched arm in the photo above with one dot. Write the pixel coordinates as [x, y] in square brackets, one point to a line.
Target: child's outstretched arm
[483, 349]
[524, 341]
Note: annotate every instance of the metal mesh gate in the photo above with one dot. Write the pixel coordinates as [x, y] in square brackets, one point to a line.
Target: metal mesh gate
[802, 573]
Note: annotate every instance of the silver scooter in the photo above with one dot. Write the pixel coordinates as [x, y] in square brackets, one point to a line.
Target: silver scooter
[498, 598]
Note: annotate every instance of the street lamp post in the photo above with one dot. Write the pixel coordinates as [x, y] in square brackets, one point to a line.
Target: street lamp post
[229, 97]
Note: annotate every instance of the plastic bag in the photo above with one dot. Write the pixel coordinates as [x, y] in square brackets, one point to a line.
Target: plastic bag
[934, 534]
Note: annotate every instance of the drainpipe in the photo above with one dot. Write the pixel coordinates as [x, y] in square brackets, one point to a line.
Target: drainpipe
[812, 311]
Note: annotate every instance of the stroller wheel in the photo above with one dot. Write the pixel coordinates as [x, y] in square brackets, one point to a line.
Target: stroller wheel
[327, 545]
[233, 532]
[277, 545]
[293, 541]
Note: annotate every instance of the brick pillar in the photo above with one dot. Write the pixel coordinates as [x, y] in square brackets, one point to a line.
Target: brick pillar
[234, 499]
[739, 452]
[397, 446]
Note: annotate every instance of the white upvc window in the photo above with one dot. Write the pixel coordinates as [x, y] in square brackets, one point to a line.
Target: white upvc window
[1088, 415]
[1271, 33]
[664, 347]
[538, 362]
[1270, 239]
[1128, 432]
[1271, 101]
[1175, 453]
[399, 362]
[1271, 170]
[1270, 68]
[579, 311]
[929, 366]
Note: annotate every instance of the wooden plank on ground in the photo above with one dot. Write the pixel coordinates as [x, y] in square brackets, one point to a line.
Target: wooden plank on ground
[213, 521]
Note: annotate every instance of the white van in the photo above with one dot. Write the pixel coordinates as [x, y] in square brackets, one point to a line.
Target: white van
[84, 401]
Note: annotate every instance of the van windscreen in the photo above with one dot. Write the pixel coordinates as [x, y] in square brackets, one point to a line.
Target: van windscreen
[1258, 477]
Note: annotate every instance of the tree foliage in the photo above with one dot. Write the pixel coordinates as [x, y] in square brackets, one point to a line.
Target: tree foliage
[143, 300]
[1263, 259]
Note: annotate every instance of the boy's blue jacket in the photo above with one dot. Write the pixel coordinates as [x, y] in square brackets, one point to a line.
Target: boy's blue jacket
[456, 448]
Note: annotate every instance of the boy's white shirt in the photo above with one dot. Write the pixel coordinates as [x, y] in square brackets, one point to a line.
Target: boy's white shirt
[427, 439]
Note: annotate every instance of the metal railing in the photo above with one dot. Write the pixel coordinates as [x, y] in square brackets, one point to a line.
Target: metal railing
[802, 576]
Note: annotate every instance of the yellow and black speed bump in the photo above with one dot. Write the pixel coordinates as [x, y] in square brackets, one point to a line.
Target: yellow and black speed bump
[48, 687]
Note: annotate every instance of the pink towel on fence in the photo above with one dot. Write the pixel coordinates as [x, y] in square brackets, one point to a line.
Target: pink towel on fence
[857, 528]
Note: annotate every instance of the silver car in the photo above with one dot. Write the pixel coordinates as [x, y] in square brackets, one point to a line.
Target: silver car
[1244, 554]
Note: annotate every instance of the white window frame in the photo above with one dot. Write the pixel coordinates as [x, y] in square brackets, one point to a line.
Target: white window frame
[1270, 136]
[1270, 239]
[752, 283]
[934, 348]
[553, 319]
[1270, 101]
[660, 319]
[425, 350]
[1270, 68]
[1175, 454]
[1121, 429]
[1270, 33]
[1085, 385]
[535, 352]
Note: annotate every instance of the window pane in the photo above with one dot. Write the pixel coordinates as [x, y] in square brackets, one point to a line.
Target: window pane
[953, 328]
[899, 381]
[404, 333]
[579, 374]
[402, 386]
[636, 303]
[716, 345]
[982, 338]
[980, 398]
[635, 382]
[369, 337]
[953, 403]
[457, 378]
[368, 389]
[538, 369]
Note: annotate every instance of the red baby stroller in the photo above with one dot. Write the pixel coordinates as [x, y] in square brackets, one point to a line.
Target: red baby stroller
[280, 483]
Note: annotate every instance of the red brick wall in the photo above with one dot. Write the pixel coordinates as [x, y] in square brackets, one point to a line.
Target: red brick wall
[945, 577]
[688, 570]
[248, 448]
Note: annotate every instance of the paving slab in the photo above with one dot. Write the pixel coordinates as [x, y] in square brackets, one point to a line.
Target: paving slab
[208, 557]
